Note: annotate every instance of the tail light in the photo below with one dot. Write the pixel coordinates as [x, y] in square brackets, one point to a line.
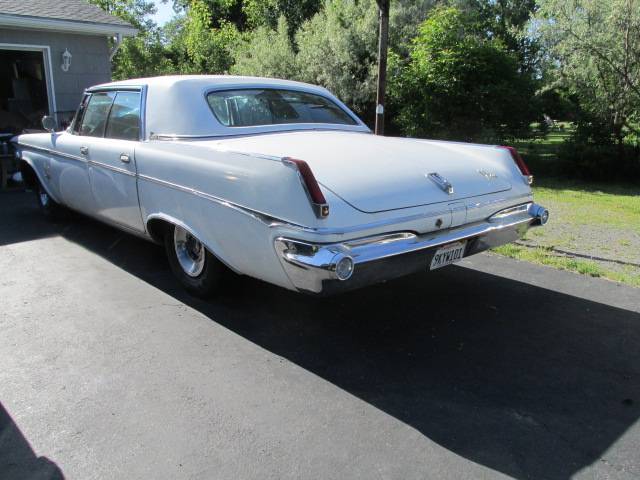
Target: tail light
[310, 184]
[520, 163]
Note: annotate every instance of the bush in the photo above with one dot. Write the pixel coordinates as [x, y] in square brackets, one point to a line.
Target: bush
[607, 161]
[337, 49]
[459, 84]
[268, 53]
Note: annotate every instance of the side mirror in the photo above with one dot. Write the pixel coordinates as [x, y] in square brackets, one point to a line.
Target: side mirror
[48, 123]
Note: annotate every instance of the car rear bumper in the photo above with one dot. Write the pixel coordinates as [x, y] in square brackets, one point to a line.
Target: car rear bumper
[319, 268]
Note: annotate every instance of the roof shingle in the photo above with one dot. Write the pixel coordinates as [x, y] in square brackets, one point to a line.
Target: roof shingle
[72, 10]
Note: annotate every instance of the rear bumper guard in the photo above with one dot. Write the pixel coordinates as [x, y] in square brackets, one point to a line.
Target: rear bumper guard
[330, 268]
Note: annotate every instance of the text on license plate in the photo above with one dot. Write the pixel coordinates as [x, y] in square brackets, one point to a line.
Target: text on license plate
[448, 254]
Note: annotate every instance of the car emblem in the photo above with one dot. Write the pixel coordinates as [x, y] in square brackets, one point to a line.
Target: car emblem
[488, 175]
[442, 182]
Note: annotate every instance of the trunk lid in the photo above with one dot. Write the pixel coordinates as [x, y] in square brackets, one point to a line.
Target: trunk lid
[375, 174]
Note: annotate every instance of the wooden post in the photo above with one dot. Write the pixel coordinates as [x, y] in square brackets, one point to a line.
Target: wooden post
[383, 41]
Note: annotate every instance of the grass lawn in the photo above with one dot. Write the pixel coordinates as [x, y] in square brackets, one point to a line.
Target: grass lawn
[594, 229]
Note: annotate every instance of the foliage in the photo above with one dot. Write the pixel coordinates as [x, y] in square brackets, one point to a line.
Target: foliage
[144, 54]
[132, 11]
[337, 49]
[141, 56]
[267, 53]
[593, 160]
[459, 84]
[267, 13]
[405, 17]
[596, 46]
[208, 49]
[220, 12]
[506, 20]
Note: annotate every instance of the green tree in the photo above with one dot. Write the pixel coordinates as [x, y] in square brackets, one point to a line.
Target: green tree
[459, 84]
[595, 46]
[142, 55]
[267, 53]
[136, 12]
[405, 18]
[221, 12]
[266, 13]
[208, 49]
[507, 20]
[338, 49]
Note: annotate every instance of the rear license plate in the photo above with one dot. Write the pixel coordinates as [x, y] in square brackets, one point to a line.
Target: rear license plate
[448, 254]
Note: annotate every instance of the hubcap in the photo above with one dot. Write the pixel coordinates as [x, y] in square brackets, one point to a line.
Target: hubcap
[189, 251]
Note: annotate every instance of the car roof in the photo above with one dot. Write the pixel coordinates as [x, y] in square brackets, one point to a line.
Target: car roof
[176, 105]
[168, 81]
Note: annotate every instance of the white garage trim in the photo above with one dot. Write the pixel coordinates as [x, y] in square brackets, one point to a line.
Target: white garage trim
[48, 70]
[67, 26]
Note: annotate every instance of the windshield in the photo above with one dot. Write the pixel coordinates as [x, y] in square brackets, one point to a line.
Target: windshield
[252, 107]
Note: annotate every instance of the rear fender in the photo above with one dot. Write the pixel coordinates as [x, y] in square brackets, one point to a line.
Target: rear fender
[213, 247]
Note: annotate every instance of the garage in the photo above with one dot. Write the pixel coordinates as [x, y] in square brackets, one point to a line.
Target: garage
[24, 88]
[50, 52]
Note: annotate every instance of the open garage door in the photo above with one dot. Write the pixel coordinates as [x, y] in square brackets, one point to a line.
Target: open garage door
[24, 96]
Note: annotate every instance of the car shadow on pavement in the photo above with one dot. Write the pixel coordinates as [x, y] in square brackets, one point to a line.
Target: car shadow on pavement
[17, 458]
[524, 380]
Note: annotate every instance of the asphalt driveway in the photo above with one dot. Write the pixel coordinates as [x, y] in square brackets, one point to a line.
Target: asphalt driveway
[491, 369]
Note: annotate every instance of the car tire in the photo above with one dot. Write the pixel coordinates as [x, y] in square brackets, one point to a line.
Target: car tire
[51, 209]
[195, 267]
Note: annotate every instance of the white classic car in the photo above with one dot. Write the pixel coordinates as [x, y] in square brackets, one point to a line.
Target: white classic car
[274, 179]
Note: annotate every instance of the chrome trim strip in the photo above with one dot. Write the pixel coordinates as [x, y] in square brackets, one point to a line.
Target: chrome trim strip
[275, 222]
[105, 88]
[79, 159]
[268, 220]
[53, 152]
[112, 168]
[327, 127]
[143, 113]
[510, 211]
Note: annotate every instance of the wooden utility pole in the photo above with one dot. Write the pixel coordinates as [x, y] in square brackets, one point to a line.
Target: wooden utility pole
[383, 40]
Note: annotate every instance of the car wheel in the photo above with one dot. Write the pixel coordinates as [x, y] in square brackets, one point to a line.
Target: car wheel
[196, 268]
[51, 209]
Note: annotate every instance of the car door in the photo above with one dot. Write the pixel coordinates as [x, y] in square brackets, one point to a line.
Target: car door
[112, 164]
[68, 167]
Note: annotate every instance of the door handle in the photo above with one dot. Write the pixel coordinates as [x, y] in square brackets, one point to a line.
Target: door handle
[84, 150]
[124, 158]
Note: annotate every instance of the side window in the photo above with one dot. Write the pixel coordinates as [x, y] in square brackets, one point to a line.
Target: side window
[95, 115]
[124, 118]
[78, 118]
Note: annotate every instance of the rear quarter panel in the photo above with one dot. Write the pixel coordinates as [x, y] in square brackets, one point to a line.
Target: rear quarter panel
[219, 196]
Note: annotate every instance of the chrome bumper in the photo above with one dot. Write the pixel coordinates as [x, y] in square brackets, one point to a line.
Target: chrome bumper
[323, 268]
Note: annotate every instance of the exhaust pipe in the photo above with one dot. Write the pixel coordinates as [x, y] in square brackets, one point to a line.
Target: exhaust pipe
[540, 214]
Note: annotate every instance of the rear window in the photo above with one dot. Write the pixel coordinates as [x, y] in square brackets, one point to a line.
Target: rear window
[253, 107]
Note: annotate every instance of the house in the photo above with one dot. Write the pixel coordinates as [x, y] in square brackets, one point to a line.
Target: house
[50, 51]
